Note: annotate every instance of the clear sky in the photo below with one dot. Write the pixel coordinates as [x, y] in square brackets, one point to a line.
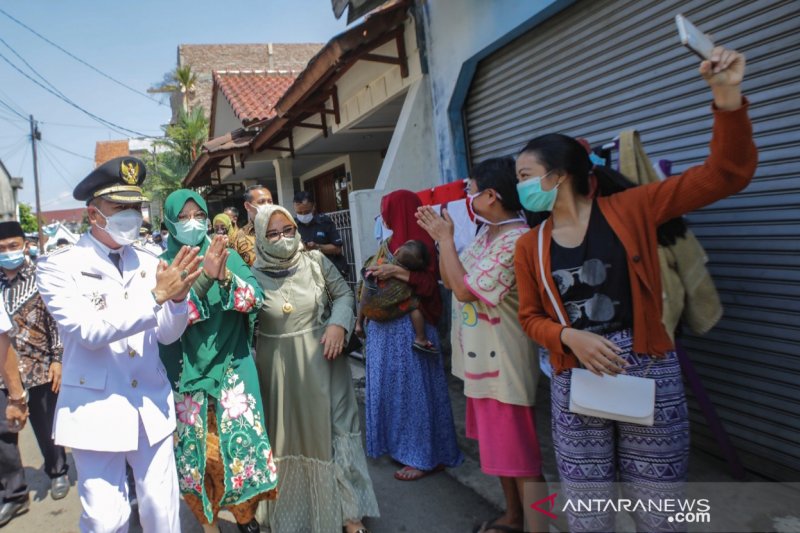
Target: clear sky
[133, 41]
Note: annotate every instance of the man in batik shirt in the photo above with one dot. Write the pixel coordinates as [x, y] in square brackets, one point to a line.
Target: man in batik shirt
[35, 338]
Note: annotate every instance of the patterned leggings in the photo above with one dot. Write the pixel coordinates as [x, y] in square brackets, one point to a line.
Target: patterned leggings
[593, 453]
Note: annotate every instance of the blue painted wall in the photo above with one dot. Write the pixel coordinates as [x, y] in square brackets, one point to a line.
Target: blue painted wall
[459, 33]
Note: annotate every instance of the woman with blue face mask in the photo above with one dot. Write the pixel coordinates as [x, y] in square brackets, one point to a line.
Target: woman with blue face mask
[591, 294]
[222, 452]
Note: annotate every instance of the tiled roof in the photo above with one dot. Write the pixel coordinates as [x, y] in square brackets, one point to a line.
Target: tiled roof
[107, 150]
[206, 58]
[236, 139]
[253, 94]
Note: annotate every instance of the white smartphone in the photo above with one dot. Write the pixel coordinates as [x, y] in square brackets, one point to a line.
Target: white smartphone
[692, 38]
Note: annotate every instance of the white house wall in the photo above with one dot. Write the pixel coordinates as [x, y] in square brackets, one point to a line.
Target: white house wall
[367, 86]
[408, 162]
[364, 169]
[330, 165]
[8, 207]
[224, 118]
[455, 33]
[371, 84]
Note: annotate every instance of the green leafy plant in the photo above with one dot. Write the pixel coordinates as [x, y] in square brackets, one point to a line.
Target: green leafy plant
[27, 219]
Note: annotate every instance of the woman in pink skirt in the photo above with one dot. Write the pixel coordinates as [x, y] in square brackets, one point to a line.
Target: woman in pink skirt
[491, 353]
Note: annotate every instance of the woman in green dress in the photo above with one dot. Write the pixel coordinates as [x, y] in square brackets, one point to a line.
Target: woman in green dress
[312, 414]
[222, 452]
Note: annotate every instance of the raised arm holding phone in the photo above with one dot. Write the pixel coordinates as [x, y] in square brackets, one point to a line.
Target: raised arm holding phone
[590, 286]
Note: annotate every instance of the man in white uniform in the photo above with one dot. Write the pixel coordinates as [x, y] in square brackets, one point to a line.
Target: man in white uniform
[113, 302]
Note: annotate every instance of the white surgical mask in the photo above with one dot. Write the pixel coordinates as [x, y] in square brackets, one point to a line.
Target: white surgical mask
[123, 227]
[484, 220]
[306, 219]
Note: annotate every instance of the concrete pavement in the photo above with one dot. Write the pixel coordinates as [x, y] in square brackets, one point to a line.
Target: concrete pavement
[435, 503]
[454, 501]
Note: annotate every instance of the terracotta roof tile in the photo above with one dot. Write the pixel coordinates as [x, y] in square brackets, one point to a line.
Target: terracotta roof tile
[206, 58]
[239, 138]
[252, 94]
[107, 150]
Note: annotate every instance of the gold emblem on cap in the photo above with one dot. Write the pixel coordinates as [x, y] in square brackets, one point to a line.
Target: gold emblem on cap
[130, 172]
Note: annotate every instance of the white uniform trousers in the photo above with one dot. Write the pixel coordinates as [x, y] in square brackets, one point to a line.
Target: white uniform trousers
[103, 488]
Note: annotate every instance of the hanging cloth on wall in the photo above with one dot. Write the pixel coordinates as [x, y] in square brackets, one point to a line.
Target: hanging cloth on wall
[689, 292]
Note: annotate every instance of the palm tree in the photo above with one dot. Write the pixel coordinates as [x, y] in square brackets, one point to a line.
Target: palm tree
[187, 136]
[181, 80]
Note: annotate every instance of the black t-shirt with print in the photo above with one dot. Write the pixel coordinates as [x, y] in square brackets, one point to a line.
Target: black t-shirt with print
[593, 280]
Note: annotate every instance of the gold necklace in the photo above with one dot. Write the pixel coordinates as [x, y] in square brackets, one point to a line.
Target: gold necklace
[287, 307]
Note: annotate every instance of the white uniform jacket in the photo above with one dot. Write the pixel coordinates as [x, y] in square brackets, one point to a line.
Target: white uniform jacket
[110, 325]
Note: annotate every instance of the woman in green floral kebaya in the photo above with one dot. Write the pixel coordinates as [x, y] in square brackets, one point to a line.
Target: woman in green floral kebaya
[222, 452]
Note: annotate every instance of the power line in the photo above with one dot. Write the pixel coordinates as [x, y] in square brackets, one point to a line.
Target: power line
[22, 164]
[80, 126]
[49, 159]
[25, 62]
[15, 143]
[13, 122]
[58, 94]
[18, 108]
[60, 163]
[48, 143]
[8, 106]
[13, 148]
[76, 58]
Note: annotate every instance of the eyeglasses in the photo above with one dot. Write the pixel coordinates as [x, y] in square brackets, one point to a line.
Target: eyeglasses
[288, 232]
[197, 215]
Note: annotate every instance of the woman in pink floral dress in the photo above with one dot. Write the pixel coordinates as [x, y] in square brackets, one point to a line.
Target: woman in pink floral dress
[222, 452]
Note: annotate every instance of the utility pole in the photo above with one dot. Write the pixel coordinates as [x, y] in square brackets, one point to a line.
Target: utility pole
[36, 135]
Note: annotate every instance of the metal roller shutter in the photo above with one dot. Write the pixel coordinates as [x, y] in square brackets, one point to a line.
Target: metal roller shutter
[599, 67]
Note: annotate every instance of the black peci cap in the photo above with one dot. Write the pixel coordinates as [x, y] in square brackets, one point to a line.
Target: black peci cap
[10, 229]
[118, 180]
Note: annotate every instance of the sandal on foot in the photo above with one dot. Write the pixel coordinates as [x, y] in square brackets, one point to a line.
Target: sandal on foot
[427, 347]
[419, 474]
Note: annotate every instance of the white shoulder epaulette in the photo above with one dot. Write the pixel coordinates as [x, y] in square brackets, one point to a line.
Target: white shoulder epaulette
[141, 248]
[56, 251]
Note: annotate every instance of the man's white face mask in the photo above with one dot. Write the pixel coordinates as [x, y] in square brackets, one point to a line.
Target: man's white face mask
[122, 227]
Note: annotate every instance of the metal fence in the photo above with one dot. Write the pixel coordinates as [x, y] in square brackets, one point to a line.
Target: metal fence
[342, 221]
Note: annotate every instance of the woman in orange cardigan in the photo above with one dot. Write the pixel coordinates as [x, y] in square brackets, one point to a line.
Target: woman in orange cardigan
[594, 299]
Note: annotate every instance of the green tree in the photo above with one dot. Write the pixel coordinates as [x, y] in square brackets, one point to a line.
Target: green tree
[175, 153]
[187, 136]
[27, 219]
[165, 176]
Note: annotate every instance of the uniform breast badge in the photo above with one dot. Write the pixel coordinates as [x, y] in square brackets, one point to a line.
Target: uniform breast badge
[98, 301]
